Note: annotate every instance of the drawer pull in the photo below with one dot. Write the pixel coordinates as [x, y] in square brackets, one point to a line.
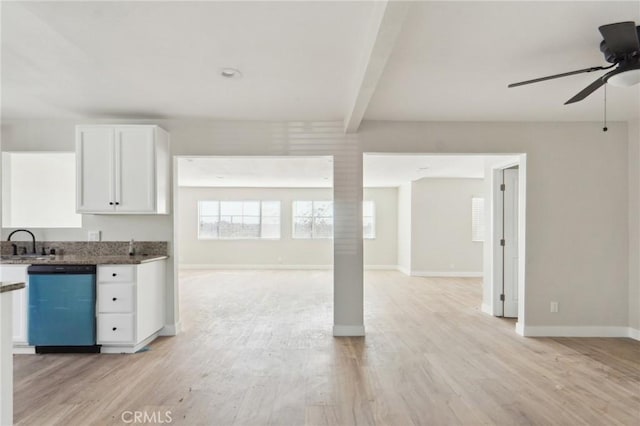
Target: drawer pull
[114, 328]
[114, 274]
[114, 299]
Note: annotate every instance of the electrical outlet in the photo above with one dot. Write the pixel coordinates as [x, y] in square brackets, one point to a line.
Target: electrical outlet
[94, 236]
[554, 307]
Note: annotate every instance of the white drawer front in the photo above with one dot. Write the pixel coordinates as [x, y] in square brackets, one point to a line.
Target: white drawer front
[115, 298]
[115, 328]
[115, 273]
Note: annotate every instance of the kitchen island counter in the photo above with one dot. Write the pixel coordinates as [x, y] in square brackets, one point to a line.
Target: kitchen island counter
[81, 260]
[10, 286]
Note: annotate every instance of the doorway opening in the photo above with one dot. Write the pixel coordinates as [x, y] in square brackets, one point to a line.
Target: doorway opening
[247, 231]
[447, 221]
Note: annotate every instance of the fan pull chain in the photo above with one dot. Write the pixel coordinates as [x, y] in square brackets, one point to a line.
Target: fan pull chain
[605, 128]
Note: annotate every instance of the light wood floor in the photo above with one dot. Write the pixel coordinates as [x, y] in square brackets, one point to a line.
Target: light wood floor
[257, 349]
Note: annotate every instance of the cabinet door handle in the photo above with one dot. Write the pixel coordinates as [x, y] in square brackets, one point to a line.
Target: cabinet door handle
[110, 203]
[117, 203]
[114, 274]
[114, 328]
[114, 299]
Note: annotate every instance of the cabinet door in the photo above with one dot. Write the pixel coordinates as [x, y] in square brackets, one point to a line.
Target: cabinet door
[115, 328]
[135, 169]
[95, 169]
[20, 300]
[20, 316]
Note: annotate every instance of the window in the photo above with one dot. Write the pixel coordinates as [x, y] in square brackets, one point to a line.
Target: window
[39, 190]
[368, 220]
[314, 219]
[238, 219]
[477, 219]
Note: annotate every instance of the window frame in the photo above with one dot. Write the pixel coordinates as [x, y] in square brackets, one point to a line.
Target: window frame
[75, 220]
[313, 220]
[373, 220]
[313, 217]
[478, 222]
[201, 237]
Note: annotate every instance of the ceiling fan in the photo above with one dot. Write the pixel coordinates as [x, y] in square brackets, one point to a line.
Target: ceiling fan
[620, 48]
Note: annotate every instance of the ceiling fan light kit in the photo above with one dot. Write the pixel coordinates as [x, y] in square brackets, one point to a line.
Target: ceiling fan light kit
[620, 47]
[625, 79]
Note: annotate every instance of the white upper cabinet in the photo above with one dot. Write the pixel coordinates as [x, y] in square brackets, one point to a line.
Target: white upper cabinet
[122, 169]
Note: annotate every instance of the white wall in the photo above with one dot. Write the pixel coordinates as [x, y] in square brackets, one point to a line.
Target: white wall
[577, 225]
[237, 253]
[286, 252]
[404, 228]
[577, 198]
[441, 227]
[382, 251]
[634, 226]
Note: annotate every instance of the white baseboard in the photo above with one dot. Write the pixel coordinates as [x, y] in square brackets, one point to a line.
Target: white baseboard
[24, 350]
[348, 330]
[170, 329]
[578, 331]
[232, 267]
[486, 309]
[128, 349]
[196, 266]
[404, 270]
[519, 328]
[381, 267]
[458, 274]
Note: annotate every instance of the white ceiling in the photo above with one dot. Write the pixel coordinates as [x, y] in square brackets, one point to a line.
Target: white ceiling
[162, 59]
[301, 60]
[379, 170]
[453, 61]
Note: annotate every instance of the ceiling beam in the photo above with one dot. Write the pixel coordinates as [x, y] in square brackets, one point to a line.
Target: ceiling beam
[384, 27]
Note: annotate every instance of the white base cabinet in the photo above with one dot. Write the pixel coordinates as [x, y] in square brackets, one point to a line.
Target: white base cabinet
[20, 301]
[130, 305]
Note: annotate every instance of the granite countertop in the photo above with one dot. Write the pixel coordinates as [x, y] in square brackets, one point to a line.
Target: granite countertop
[6, 287]
[83, 260]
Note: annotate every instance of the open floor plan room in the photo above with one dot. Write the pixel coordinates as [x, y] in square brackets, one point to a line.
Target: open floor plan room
[287, 213]
[255, 350]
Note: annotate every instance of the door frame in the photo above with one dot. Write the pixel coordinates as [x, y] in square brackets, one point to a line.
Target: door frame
[495, 235]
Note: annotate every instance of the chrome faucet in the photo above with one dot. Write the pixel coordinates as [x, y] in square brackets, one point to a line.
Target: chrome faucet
[33, 238]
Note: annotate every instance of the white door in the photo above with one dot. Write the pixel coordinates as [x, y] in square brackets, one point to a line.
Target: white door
[95, 168]
[510, 247]
[135, 169]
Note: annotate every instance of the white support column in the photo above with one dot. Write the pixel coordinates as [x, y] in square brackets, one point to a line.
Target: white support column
[348, 277]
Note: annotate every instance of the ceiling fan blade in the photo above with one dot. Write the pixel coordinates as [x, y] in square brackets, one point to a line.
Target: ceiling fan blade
[564, 74]
[621, 38]
[587, 91]
[601, 81]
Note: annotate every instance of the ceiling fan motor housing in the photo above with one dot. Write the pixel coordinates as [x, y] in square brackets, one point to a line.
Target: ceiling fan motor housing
[614, 58]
